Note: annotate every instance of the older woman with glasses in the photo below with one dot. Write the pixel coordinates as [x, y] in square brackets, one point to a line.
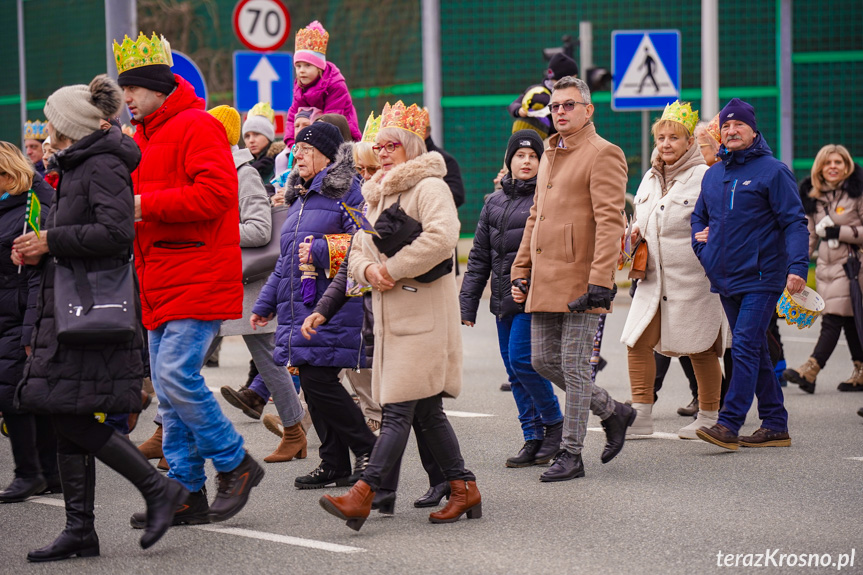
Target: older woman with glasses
[322, 180]
[416, 308]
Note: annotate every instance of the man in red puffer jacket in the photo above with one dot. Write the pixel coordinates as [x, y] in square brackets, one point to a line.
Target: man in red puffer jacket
[190, 271]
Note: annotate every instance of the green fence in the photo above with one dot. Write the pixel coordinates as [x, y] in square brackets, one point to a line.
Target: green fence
[491, 50]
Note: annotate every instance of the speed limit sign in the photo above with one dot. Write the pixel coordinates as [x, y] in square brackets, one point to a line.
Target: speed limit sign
[262, 25]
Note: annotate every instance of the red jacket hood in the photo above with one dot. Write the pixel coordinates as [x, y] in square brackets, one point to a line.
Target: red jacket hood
[182, 98]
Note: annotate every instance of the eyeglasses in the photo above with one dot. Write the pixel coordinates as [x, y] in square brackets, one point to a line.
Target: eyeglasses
[303, 149]
[370, 170]
[567, 106]
[390, 147]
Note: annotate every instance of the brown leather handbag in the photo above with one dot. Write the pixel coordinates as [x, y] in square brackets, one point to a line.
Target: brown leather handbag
[639, 261]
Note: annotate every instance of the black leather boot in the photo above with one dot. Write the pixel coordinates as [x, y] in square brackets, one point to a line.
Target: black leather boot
[162, 495]
[615, 430]
[78, 475]
[550, 443]
[434, 495]
[527, 456]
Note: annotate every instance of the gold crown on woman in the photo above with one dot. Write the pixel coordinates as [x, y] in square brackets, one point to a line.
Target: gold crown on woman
[412, 119]
[682, 113]
[142, 52]
[35, 130]
[373, 126]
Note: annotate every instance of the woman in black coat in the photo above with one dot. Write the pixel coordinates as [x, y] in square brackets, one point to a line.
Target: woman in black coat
[498, 236]
[34, 446]
[91, 223]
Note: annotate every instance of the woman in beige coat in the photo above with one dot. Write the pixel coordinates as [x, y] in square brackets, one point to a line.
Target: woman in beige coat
[833, 199]
[675, 289]
[418, 350]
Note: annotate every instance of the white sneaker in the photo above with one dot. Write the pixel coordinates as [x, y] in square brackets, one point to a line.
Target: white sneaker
[704, 419]
[643, 424]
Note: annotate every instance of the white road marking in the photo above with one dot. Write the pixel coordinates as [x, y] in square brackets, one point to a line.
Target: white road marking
[48, 501]
[656, 434]
[286, 539]
[854, 458]
[807, 340]
[451, 413]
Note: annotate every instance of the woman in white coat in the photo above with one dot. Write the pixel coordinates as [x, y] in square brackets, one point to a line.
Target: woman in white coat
[673, 311]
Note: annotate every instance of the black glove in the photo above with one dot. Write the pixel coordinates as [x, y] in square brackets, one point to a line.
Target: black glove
[831, 233]
[596, 297]
[522, 285]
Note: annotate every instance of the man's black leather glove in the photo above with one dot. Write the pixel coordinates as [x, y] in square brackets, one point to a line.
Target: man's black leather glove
[831, 233]
[596, 297]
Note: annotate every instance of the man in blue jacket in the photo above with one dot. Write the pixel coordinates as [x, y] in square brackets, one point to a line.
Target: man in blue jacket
[759, 244]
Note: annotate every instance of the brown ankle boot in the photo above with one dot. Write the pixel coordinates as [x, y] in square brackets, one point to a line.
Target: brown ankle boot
[464, 498]
[152, 448]
[293, 444]
[354, 506]
[855, 382]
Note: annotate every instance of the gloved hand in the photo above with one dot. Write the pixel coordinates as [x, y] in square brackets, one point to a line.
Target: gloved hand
[821, 227]
[596, 297]
[831, 232]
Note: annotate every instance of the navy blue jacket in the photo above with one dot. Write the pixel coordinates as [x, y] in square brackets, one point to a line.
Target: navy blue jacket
[317, 213]
[495, 244]
[14, 288]
[758, 233]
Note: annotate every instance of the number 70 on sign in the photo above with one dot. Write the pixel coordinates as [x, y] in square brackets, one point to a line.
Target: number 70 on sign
[262, 25]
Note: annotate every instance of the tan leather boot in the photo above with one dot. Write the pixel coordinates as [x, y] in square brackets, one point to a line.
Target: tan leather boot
[152, 448]
[804, 376]
[855, 382]
[293, 444]
[354, 506]
[464, 498]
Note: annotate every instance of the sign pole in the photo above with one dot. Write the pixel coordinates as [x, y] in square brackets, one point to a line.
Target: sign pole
[432, 89]
[22, 71]
[645, 141]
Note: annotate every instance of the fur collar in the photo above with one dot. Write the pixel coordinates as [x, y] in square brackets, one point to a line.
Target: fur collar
[404, 177]
[275, 148]
[332, 182]
[853, 187]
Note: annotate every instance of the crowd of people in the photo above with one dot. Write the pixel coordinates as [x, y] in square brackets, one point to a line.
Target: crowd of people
[128, 253]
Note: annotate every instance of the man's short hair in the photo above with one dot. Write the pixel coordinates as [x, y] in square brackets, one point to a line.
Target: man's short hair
[571, 82]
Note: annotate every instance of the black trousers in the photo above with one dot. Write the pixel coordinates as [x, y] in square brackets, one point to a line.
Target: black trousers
[662, 364]
[80, 434]
[338, 420]
[436, 430]
[34, 445]
[831, 327]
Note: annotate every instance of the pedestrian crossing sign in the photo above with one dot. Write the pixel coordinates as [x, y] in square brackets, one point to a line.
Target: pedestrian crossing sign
[645, 69]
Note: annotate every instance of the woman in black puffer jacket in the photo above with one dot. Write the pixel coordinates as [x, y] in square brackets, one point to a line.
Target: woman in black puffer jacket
[498, 235]
[34, 446]
[91, 222]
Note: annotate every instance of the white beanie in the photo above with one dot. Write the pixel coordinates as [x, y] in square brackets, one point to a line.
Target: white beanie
[77, 111]
[261, 125]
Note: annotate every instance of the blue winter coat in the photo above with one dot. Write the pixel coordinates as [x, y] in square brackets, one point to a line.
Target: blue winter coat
[758, 233]
[495, 244]
[317, 213]
[14, 288]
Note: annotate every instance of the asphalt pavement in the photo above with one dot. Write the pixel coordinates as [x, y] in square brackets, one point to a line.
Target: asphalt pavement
[663, 506]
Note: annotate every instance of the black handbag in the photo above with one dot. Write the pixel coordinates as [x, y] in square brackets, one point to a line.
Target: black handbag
[94, 307]
[259, 262]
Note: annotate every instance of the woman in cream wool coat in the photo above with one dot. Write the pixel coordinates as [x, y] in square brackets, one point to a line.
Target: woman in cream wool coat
[673, 310]
[418, 350]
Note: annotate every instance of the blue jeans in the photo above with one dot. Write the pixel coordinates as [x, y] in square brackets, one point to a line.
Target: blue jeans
[749, 315]
[193, 425]
[533, 394]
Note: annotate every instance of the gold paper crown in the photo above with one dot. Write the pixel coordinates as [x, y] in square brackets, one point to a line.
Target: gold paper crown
[682, 113]
[313, 38]
[263, 109]
[412, 119]
[35, 130]
[373, 126]
[713, 129]
[142, 52]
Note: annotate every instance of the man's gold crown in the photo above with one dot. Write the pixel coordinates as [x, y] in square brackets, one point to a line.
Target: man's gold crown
[35, 130]
[682, 113]
[142, 52]
[411, 119]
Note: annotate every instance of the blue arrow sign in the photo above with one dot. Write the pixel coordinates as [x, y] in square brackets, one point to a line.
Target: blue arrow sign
[645, 68]
[263, 77]
[185, 67]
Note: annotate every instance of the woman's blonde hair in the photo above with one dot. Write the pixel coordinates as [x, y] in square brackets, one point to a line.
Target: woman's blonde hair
[363, 154]
[414, 145]
[818, 183]
[15, 165]
[678, 128]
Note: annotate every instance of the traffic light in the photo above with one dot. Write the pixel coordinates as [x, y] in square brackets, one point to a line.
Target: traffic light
[566, 47]
[598, 79]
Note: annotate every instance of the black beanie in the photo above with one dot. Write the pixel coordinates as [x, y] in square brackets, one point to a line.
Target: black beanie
[325, 137]
[562, 65]
[156, 77]
[522, 139]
